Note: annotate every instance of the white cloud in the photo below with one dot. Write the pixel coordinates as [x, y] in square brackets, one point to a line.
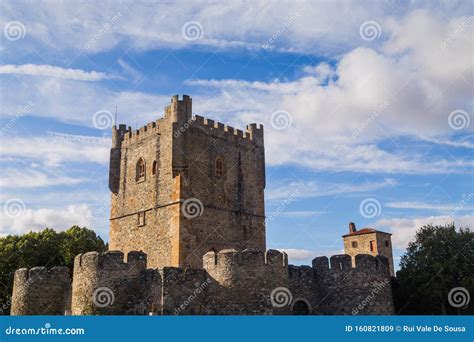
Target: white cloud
[306, 26]
[299, 254]
[311, 189]
[37, 219]
[307, 255]
[465, 142]
[341, 114]
[14, 178]
[302, 213]
[403, 229]
[53, 71]
[94, 195]
[133, 72]
[77, 102]
[52, 151]
[430, 42]
[323, 72]
[430, 206]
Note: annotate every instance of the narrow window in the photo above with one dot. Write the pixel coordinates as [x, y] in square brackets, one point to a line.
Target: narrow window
[372, 246]
[354, 244]
[154, 167]
[141, 218]
[219, 167]
[140, 170]
[387, 243]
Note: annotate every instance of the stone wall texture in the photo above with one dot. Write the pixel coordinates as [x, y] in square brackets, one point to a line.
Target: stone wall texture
[41, 291]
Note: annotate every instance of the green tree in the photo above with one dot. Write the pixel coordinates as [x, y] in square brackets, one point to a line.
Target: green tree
[45, 248]
[77, 240]
[439, 259]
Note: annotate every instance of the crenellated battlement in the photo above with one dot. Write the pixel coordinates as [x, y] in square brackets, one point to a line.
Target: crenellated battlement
[276, 258]
[252, 134]
[127, 136]
[344, 289]
[179, 112]
[177, 107]
[249, 258]
[343, 263]
[37, 273]
[112, 260]
[231, 282]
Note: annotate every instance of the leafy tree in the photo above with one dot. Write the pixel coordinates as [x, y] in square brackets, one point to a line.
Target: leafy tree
[45, 248]
[439, 259]
[77, 240]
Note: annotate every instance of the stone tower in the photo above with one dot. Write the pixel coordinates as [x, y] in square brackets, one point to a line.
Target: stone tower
[368, 241]
[182, 186]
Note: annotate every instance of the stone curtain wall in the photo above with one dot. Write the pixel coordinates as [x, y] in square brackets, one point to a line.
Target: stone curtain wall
[185, 291]
[365, 289]
[334, 287]
[231, 283]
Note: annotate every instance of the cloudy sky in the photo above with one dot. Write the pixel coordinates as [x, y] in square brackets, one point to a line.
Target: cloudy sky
[367, 107]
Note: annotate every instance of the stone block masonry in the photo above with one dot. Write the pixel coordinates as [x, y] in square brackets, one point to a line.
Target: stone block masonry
[41, 291]
[107, 284]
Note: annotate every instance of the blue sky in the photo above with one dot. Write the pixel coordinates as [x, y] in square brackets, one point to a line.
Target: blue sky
[367, 107]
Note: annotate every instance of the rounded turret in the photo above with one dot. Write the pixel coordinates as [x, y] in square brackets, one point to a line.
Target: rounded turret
[243, 281]
[103, 283]
[41, 291]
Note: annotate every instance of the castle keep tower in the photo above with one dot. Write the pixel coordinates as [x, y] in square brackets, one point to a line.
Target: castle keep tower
[182, 186]
[368, 241]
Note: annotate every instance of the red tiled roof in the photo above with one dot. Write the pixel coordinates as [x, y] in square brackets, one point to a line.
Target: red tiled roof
[365, 231]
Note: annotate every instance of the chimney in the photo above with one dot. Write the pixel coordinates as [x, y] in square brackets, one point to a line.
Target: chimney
[352, 227]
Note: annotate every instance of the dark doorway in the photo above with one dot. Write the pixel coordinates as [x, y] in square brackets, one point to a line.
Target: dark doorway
[300, 308]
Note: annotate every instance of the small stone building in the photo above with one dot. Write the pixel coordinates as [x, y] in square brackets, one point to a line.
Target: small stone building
[368, 241]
